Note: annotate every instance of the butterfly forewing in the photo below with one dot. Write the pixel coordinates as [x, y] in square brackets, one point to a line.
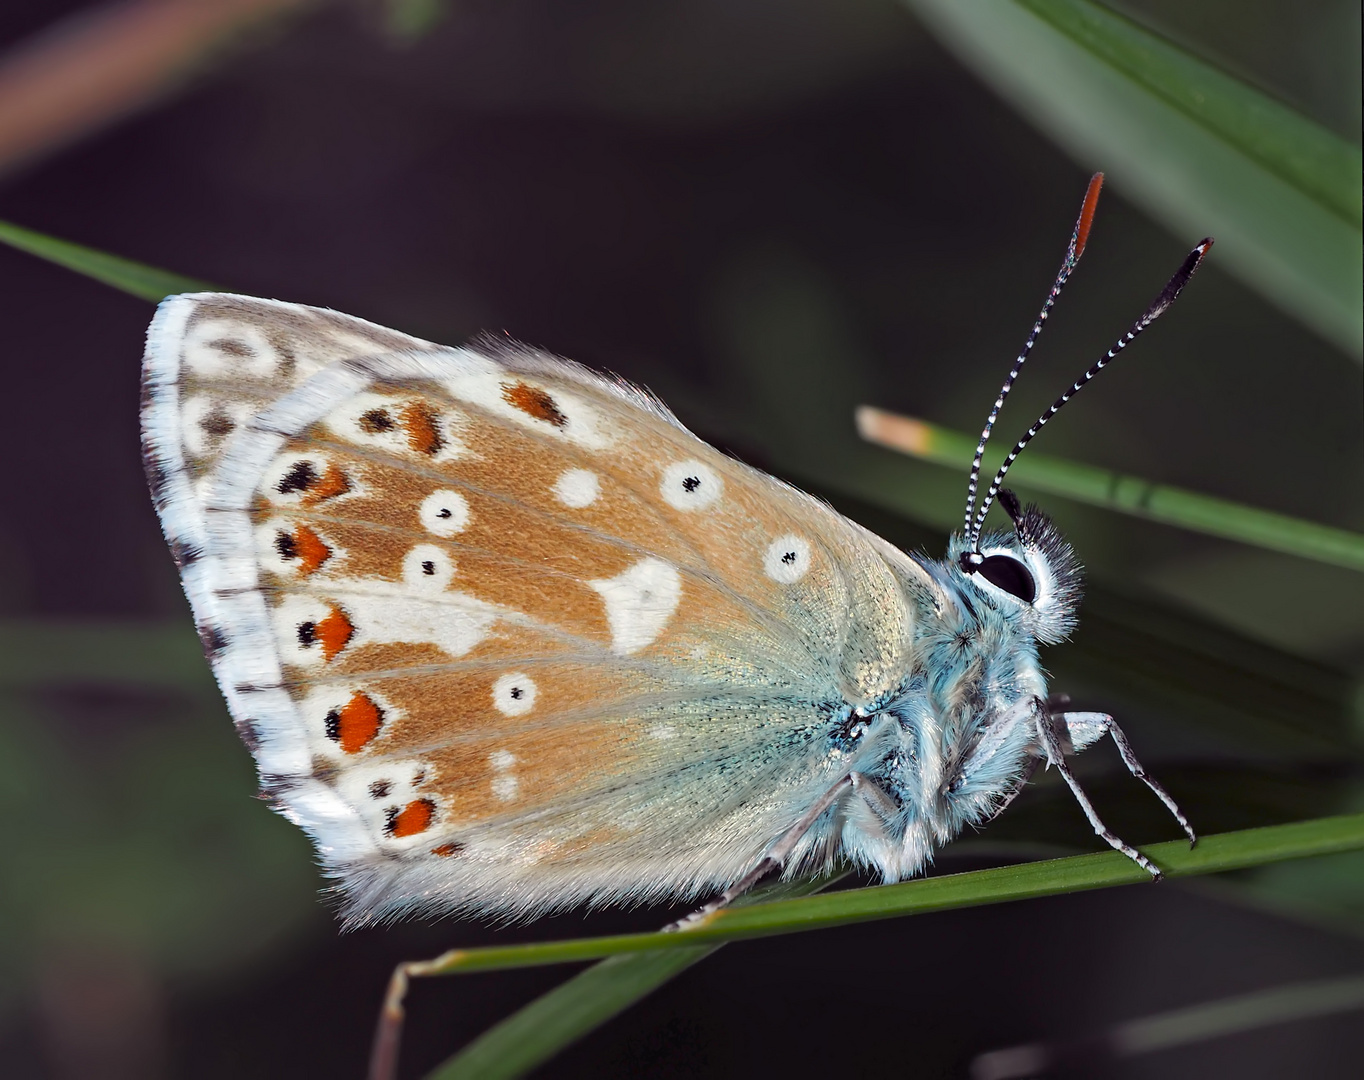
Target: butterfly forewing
[482, 614]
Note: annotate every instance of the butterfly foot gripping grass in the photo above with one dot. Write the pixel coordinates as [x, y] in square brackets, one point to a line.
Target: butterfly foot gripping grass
[504, 637]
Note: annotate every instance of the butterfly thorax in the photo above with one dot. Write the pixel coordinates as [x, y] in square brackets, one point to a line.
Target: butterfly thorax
[953, 737]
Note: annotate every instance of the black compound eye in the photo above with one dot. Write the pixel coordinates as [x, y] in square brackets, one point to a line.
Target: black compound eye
[1007, 573]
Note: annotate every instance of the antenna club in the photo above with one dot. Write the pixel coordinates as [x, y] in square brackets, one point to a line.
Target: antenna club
[1091, 203]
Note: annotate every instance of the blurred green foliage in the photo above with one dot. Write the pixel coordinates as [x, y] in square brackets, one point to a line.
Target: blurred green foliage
[1197, 148]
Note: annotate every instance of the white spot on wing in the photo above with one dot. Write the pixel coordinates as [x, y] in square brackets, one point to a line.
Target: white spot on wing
[455, 629]
[199, 441]
[229, 347]
[639, 602]
[505, 784]
[444, 513]
[374, 790]
[514, 695]
[586, 426]
[577, 488]
[384, 613]
[690, 485]
[272, 557]
[787, 559]
[299, 475]
[379, 420]
[428, 568]
[293, 613]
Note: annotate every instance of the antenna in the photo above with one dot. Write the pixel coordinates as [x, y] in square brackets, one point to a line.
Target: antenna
[1158, 307]
[1078, 239]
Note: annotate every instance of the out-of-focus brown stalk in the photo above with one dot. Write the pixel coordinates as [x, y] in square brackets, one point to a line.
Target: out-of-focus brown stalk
[99, 65]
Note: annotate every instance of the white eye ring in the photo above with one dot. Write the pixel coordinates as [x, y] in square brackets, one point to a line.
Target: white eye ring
[787, 559]
[514, 694]
[690, 485]
[444, 513]
[1017, 570]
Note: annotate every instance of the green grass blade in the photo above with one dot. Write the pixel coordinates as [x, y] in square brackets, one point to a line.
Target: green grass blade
[1214, 854]
[537, 1032]
[1285, 142]
[1199, 150]
[634, 965]
[553, 1021]
[1126, 494]
[135, 278]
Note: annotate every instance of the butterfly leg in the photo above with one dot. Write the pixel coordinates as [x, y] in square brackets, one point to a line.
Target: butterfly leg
[1085, 728]
[1053, 743]
[778, 853]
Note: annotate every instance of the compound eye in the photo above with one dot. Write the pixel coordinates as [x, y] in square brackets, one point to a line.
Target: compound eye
[1007, 573]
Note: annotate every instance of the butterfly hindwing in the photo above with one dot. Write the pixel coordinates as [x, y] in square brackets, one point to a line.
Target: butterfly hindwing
[501, 633]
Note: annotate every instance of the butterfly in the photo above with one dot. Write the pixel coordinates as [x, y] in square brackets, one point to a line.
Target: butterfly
[505, 637]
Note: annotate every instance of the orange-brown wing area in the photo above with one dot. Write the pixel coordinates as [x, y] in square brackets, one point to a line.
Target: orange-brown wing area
[531, 627]
[523, 618]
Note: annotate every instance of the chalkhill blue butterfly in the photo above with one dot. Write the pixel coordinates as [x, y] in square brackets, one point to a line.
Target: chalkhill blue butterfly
[504, 637]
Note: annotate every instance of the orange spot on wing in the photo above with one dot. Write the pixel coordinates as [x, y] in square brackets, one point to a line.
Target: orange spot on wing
[447, 850]
[330, 484]
[533, 401]
[355, 724]
[309, 549]
[334, 632]
[419, 421]
[413, 818]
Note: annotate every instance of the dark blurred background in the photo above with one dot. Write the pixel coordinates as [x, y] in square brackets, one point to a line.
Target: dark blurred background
[769, 213]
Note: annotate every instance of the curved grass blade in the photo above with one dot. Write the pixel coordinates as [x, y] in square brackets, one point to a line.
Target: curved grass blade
[588, 1000]
[1178, 1027]
[135, 278]
[1213, 855]
[1125, 494]
[1199, 150]
[561, 1017]
[636, 964]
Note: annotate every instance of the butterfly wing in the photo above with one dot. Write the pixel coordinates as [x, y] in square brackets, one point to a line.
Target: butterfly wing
[501, 634]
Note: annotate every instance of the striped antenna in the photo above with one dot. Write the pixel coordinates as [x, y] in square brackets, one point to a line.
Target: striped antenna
[1162, 303]
[1078, 239]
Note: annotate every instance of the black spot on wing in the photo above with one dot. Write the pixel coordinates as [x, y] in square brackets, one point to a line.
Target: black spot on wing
[376, 421]
[275, 785]
[249, 732]
[213, 639]
[185, 554]
[217, 424]
[286, 546]
[158, 475]
[301, 476]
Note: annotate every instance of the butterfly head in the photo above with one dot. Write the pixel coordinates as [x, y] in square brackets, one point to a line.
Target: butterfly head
[1031, 574]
